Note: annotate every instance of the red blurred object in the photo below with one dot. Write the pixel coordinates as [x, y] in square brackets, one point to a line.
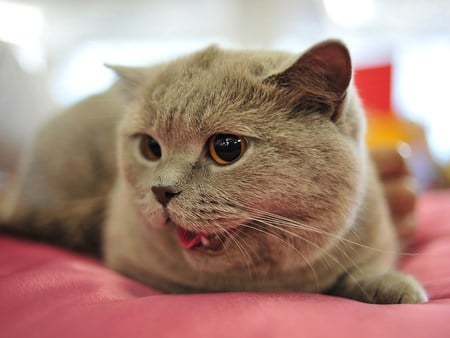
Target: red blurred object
[374, 85]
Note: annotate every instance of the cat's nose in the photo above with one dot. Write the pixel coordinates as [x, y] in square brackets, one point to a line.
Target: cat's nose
[164, 194]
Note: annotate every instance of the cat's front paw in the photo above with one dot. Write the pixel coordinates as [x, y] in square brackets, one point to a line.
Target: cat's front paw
[396, 288]
[388, 288]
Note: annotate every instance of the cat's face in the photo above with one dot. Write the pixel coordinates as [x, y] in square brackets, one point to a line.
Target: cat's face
[242, 160]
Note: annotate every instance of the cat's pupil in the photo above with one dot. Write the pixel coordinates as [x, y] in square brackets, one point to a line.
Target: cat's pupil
[150, 148]
[226, 148]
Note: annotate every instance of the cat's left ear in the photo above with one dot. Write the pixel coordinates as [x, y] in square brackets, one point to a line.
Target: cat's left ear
[319, 78]
[130, 78]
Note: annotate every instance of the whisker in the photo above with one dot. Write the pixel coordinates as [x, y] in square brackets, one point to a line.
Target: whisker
[335, 260]
[247, 257]
[289, 223]
[278, 227]
[281, 224]
[247, 225]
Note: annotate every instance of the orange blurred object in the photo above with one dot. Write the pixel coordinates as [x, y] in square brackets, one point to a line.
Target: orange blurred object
[387, 130]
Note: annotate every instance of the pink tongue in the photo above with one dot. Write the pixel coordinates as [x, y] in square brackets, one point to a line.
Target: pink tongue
[189, 239]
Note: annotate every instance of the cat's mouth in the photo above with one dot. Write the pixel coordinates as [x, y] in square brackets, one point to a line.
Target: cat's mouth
[201, 242]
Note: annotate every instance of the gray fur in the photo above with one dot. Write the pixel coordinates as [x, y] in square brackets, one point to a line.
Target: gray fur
[303, 207]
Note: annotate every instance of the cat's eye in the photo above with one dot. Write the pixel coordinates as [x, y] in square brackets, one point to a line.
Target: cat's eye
[226, 148]
[149, 148]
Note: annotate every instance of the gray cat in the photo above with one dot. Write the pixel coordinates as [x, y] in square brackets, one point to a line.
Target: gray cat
[219, 171]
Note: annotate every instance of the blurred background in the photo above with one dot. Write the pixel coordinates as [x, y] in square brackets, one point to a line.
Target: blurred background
[52, 54]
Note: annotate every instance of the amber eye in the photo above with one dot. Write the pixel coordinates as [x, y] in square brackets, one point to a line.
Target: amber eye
[150, 148]
[226, 148]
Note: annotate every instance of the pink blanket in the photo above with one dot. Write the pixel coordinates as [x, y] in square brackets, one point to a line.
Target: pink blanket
[49, 292]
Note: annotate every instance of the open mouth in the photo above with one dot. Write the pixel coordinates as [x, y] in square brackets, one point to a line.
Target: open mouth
[210, 243]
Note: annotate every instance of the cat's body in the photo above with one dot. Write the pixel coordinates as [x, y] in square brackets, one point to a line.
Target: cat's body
[220, 171]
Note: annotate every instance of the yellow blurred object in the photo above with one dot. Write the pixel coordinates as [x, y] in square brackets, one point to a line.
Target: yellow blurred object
[387, 130]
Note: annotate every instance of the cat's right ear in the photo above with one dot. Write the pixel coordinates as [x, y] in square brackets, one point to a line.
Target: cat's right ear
[318, 80]
[130, 78]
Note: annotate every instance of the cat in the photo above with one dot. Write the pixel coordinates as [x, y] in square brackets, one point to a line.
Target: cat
[219, 171]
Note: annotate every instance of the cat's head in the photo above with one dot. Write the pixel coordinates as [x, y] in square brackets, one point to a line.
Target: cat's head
[244, 159]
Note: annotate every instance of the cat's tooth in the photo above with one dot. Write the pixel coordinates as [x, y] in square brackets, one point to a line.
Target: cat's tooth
[205, 241]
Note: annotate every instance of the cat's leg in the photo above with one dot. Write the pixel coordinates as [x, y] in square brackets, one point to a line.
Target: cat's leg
[75, 225]
[40, 205]
[391, 287]
[61, 190]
